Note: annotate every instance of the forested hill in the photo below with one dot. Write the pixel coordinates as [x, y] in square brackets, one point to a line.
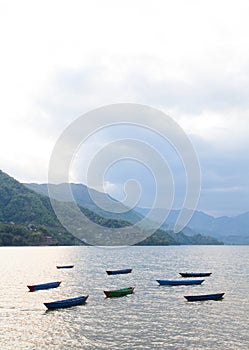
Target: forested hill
[20, 205]
[27, 218]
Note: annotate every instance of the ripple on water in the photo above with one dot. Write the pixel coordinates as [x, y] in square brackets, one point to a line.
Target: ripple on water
[154, 317]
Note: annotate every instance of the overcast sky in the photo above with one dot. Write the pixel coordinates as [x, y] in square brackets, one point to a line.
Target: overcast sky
[190, 59]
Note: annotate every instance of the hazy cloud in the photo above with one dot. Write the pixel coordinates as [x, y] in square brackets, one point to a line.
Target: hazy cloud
[189, 59]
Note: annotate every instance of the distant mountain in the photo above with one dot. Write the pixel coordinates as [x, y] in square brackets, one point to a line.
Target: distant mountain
[160, 237]
[82, 197]
[230, 230]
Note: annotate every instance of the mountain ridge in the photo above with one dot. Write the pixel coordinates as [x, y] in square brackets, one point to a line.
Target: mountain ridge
[133, 217]
[231, 230]
[82, 197]
[27, 218]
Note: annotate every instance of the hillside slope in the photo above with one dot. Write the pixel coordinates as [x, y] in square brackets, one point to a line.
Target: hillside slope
[231, 230]
[27, 218]
[82, 197]
[160, 237]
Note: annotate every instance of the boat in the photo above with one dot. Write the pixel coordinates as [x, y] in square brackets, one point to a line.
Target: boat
[48, 285]
[195, 274]
[118, 272]
[64, 266]
[118, 292]
[66, 302]
[178, 282]
[204, 297]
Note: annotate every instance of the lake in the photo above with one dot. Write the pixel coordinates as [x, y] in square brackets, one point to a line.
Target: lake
[154, 317]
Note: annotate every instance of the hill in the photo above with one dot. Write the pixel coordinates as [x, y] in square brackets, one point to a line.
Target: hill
[160, 237]
[230, 230]
[82, 197]
[27, 218]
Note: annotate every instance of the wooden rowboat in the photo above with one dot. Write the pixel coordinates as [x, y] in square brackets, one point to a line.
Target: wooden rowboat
[195, 274]
[217, 296]
[64, 266]
[118, 272]
[178, 282]
[48, 285]
[119, 292]
[66, 302]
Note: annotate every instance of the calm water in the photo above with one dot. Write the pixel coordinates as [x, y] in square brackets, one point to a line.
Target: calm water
[154, 317]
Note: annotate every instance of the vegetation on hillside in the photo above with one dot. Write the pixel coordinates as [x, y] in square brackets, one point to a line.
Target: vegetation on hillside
[27, 218]
[20, 235]
[161, 237]
[82, 196]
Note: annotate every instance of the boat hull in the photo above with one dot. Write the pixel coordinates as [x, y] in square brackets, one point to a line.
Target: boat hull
[195, 274]
[118, 272]
[66, 302]
[33, 288]
[217, 296]
[65, 267]
[118, 292]
[178, 282]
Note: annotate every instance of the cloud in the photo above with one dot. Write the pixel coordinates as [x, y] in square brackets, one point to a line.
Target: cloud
[216, 111]
[219, 132]
[189, 59]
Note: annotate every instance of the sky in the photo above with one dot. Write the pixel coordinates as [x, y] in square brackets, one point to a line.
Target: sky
[189, 59]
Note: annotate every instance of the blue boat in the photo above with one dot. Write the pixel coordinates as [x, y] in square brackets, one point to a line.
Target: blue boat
[217, 296]
[47, 285]
[195, 274]
[66, 302]
[118, 272]
[178, 282]
[64, 266]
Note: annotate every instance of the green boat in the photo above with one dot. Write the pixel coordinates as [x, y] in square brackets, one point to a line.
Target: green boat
[118, 292]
